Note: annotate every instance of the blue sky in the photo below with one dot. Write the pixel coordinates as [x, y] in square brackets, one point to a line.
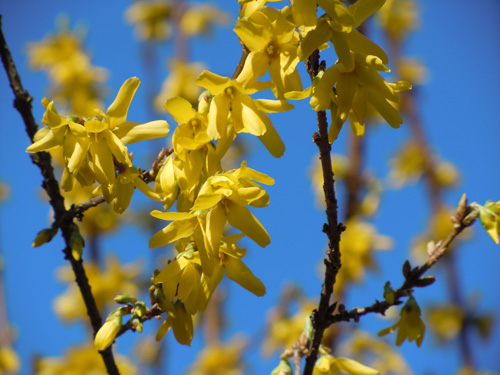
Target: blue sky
[458, 43]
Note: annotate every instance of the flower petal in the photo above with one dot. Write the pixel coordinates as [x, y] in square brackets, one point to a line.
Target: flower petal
[117, 111]
[237, 271]
[241, 218]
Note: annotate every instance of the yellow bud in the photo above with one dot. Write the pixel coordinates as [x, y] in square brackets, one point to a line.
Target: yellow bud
[44, 236]
[107, 333]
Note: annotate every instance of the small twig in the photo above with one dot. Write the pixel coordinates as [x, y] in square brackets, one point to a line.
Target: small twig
[151, 313]
[43, 160]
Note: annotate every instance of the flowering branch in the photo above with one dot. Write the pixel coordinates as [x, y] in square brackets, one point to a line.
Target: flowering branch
[69, 229]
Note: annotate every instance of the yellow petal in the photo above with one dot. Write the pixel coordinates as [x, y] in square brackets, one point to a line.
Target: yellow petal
[212, 82]
[271, 139]
[117, 111]
[256, 65]
[237, 271]
[172, 232]
[204, 202]
[241, 218]
[273, 106]
[132, 132]
[180, 109]
[146, 190]
[123, 196]
[362, 44]
[304, 12]
[183, 326]
[103, 165]
[350, 366]
[216, 221]
[164, 328]
[314, 39]
[385, 109]
[95, 126]
[362, 9]
[254, 36]
[217, 116]
[341, 45]
[171, 216]
[46, 142]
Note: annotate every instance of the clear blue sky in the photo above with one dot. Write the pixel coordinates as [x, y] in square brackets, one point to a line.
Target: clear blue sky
[460, 104]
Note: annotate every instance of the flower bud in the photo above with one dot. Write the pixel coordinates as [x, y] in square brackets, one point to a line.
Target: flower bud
[76, 242]
[283, 368]
[107, 333]
[389, 295]
[44, 236]
[125, 298]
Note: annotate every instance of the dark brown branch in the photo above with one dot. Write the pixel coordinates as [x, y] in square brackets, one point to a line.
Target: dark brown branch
[332, 229]
[43, 160]
[244, 54]
[410, 282]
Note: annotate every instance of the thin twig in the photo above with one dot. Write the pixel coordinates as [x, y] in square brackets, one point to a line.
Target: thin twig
[43, 160]
[410, 282]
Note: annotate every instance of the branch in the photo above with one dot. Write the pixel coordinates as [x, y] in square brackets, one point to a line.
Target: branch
[43, 160]
[333, 229]
[412, 276]
[151, 313]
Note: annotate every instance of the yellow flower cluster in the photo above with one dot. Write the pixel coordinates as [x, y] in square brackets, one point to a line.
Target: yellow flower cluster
[74, 80]
[353, 83]
[94, 147]
[81, 360]
[114, 279]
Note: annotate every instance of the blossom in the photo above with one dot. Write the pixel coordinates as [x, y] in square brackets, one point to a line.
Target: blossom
[81, 360]
[220, 358]
[199, 19]
[179, 320]
[273, 42]
[247, 115]
[181, 81]
[151, 19]
[91, 146]
[410, 326]
[9, 360]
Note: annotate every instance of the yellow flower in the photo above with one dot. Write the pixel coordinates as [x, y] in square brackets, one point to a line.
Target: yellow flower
[181, 81]
[114, 279]
[107, 333]
[398, 18]
[127, 181]
[220, 359]
[151, 19]
[489, 216]
[273, 42]
[381, 355]
[81, 360]
[183, 279]
[179, 320]
[284, 328]
[329, 365]
[445, 321]
[90, 151]
[410, 326]
[9, 360]
[199, 19]
[359, 241]
[247, 116]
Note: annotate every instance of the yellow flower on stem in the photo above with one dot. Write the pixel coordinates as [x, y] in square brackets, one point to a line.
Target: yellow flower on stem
[96, 146]
[127, 181]
[179, 320]
[230, 97]
[489, 216]
[199, 19]
[273, 42]
[151, 19]
[410, 326]
[181, 81]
